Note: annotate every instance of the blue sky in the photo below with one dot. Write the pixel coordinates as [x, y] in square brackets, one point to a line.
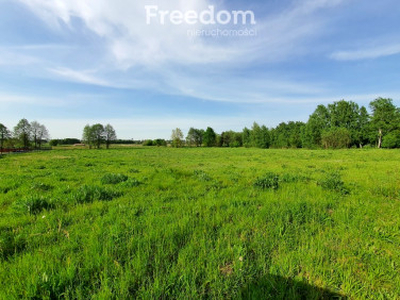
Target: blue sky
[66, 63]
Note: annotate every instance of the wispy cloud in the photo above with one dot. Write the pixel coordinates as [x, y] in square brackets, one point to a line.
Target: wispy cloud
[367, 53]
[80, 76]
[11, 58]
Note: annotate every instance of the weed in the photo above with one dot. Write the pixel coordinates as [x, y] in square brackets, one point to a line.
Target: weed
[33, 204]
[201, 175]
[131, 182]
[88, 193]
[333, 181]
[113, 178]
[268, 181]
[10, 243]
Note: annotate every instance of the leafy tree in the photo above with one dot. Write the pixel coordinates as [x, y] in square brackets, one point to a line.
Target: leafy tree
[39, 133]
[281, 136]
[391, 140]
[345, 114]
[336, 138]
[317, 123]
[195, 137]
[98, 134]
[109, 134]
[246, 137]
[4, 135]
[209, 137]
[177, 138]
[93, 135]
[266, 137]
[259, 137]
[23, 132]
[385, 117]
[231, 139]
[160, 143]
[363, 127]
[148, 143]
[87, 136]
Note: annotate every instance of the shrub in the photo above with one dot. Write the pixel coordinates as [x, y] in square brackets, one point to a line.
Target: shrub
[87, 194]
[336, 138]
[203, 176]
[391, 140]
[268, 181]
[333, 181]
[10, 243]
[289, 178]
[33, 204]
[148, 143]
[113, 178]
[132, 183]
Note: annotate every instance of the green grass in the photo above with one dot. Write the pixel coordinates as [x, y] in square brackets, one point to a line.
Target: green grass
[200, 223]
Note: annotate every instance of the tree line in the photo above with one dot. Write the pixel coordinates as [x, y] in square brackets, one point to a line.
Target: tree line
[24, 135]
[342, 124]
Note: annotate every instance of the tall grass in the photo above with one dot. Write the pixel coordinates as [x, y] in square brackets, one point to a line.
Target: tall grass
[200, 223]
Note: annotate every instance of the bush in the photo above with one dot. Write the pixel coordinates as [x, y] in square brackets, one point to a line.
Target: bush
[87, 194]
[333, 181]
[33, 204]
[160, 143]
[203, 176]
[336, 138]
[113, 178]
[10, 243]
[391, 140]
[290, 178]
[132, 183]
[148, 143]
[268, 181]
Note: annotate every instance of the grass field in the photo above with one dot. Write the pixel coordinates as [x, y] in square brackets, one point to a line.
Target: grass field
[200, 223]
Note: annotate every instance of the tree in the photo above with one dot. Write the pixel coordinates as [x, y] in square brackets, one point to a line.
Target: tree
[259, 136]
[109, 134]
[4, 135]
[336, 138]
[93, 135]
[266, 137]
[87, 136]
[160, 143]
[246, 137]
[195, 137]
[231, 139]
[210, 137]
[345, 114]
[177, 138]
[98, 134]
[39, 133]
[23, 132]
[385, 117]
[363, 127]
[391, 140]
[317, 123]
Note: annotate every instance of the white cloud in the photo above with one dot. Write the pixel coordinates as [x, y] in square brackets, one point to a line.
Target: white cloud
[367, 53]
[10, 58]
[166, 59]
[132, 42]
[12, 99]
[80, 76]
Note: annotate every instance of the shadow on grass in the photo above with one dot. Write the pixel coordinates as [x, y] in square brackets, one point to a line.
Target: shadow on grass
[277, 287]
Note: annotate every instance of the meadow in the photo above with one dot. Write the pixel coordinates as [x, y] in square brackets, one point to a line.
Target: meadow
[200, 223]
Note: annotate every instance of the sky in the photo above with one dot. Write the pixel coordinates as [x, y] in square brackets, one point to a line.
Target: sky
[68, 63]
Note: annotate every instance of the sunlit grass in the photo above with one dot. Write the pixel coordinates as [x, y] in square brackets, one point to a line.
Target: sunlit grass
[200, 223]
